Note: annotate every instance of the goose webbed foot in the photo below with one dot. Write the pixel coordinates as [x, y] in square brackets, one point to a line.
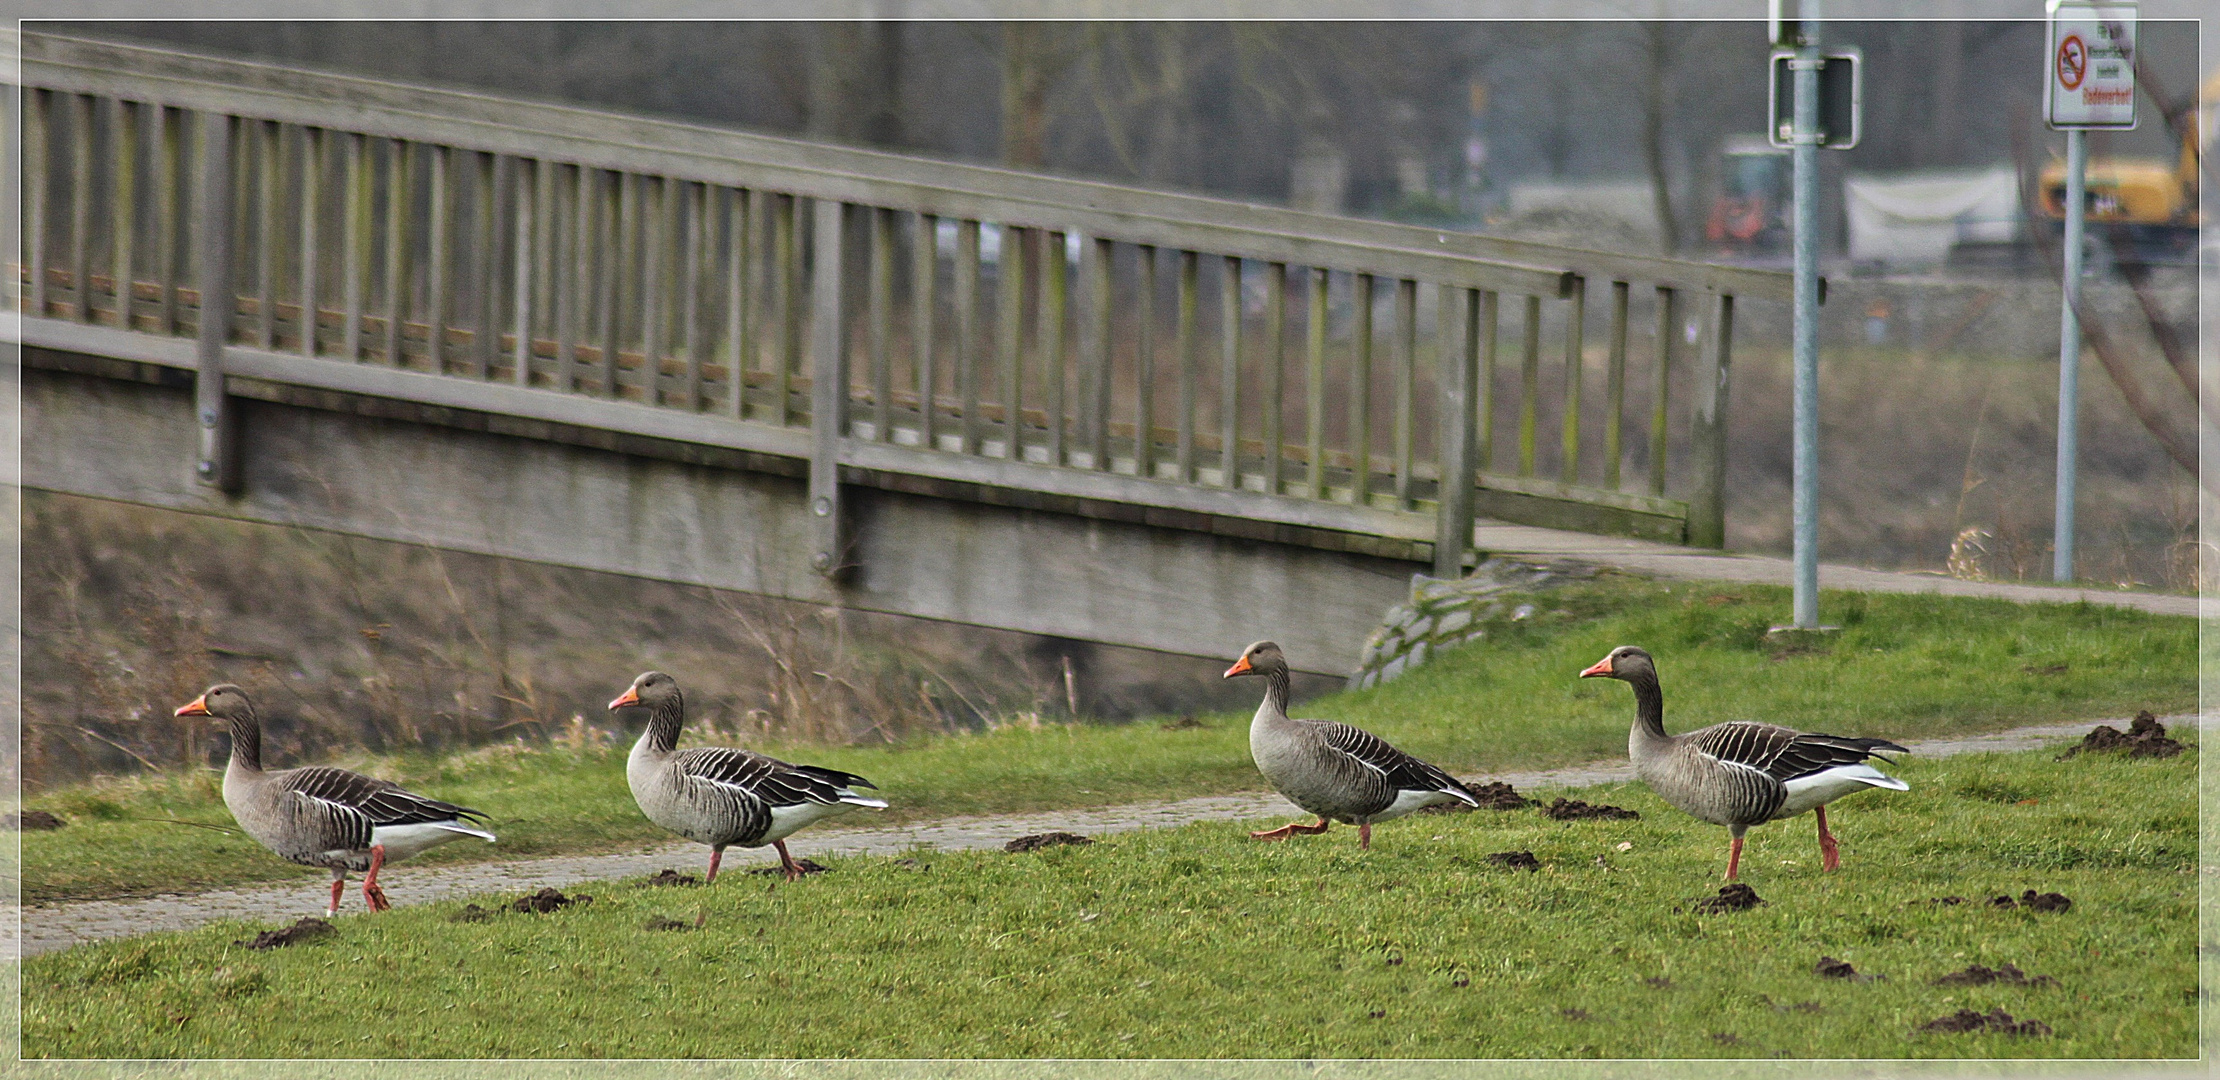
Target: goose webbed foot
[787, 864]
[1830, 856]
[1292, 828]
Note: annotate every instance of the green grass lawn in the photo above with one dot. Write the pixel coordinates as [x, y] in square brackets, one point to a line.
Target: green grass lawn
[1198, 942]
[1902, 667]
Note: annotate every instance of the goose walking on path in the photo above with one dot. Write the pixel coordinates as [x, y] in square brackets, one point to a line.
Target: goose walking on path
[721, 796]
[1330, 769]
[322, 816]
[1741, 773]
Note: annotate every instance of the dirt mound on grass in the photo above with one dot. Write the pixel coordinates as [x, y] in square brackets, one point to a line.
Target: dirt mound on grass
[1996, 1020]
[2146, 737]
[1979, 975]
[1735, 897]
[1564, 809]
[546, 900]
[1831, 968]
[2034, 901]
[806, 866]
[668, 876]
[1037, 841]
[306, 929]
[1515, 860]
[31, 821]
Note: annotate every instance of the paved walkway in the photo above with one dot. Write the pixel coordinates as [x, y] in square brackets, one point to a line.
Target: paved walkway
[1670, 560]
[46, 929]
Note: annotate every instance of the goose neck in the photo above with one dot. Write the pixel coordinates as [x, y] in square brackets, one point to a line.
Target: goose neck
[246, 741]
[664, 720]
[1649, 707]
[1274, 708]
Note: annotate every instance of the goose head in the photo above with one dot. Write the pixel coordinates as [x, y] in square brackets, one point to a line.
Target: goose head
[1257, 659]
[1624, 662]
[222, 701]
[652, 689]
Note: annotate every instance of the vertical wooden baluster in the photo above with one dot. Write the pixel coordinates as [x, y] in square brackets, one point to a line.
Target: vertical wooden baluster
[1050, 334]
[354, 242]
[1707, 434]
[697, 213]
[436, 284]
[1190, 367]
[80, 204]
[1275, 372]
[576, 294]
[1668, 325]
[786, 268]
[123, 142]
[1314, 389]
[400, 177]
[967, 330]
[739, 242]
[38, 146]
[1614, 385]
[656, 203]
[1009, 313]
[924, 282]
[1094, 347]
[621, 236]
[1484, 460]
[1405, 359]
[488, 193]
[266, 245]
[528, 178]
[879, 325]
[829, 385]
[1457, 372]
[167, 135]
[1229, 378]
[1360, 392]
[1530, 382]
[214, 203]
[312, 198]
[1144, 366]
[1576, 318]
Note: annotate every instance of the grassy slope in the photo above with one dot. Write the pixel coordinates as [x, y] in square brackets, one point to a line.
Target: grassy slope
[1200, 942]
[1904, 666]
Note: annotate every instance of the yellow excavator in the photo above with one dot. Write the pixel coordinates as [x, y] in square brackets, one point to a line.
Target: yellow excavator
[2154, 199]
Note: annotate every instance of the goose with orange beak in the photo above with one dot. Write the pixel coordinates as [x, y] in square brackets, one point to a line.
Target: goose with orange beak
[1741, 773]
[322, 816]
[1328, 768]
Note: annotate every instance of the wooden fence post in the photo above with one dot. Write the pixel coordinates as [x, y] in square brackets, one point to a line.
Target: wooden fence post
[212, 202]
[1460, 388]
[1707, 496]
[828, 388]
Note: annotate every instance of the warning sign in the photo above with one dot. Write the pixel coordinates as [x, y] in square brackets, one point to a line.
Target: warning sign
[2091, 77]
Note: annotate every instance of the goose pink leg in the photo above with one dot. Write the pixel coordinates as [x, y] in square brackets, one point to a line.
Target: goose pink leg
[371, 893]
[1734, 858]
[1292, 828]
[716, 855]
[338, 889]
[1364, 836]
[786, 861]
[1830, 858]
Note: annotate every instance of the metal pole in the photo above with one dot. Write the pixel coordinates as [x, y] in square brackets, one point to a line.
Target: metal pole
[1805, 331]
[2069, 355]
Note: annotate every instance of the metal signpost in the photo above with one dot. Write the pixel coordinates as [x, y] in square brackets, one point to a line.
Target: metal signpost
[1812, 121]
[2089, 82]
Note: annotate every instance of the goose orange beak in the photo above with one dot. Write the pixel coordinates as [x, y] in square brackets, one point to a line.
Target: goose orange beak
[631, 696]
[1240, 667]
[1601, 667]
[196, 707]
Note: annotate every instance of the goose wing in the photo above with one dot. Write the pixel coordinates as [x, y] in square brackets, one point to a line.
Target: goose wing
[1783, 753]
[767, 779]
[378, 802]
[1404, 772]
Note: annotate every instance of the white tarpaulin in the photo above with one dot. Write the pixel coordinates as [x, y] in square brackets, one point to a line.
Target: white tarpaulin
[1914, 217]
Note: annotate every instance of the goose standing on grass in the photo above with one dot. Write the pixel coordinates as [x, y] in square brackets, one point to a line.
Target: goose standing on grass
[1330, 769]
[720, 796]
[322, 816]
[1741, 773]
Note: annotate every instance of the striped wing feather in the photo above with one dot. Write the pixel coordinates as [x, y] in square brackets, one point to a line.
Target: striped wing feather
[767, 778]
[380, 802]
[1784, 753]
[1405, 772]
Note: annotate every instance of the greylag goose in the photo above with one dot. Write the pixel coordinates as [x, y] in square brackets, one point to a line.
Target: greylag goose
[322, 816]
[719, 795]
[1741, 773]
[1330, 769]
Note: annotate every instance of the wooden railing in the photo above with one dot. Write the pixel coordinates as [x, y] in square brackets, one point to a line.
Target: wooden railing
[869, 312]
